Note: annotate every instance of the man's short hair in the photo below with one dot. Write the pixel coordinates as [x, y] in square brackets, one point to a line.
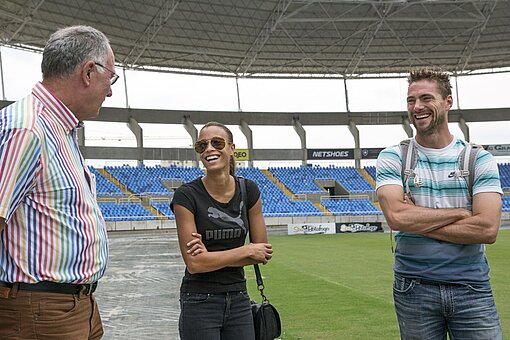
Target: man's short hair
[441, 78]
[69, 47]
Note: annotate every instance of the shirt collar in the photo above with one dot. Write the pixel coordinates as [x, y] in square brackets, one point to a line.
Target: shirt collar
[56, 107]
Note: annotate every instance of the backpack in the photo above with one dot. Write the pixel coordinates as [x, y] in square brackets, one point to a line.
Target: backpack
[466, 161]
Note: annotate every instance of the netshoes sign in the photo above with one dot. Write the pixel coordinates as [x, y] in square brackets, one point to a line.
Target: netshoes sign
[366, 153]
[330, 153]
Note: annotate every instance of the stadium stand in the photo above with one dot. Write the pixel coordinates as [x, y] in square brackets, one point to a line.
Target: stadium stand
[506, 204]
[371, 171]
[164, 208]
[125, 212]
[351, 207]
[302, 180]
[144, 180]
[274, 201]
[104, 187]
[504, 174]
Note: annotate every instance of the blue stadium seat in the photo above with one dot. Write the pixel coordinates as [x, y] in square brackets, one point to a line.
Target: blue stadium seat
[103, 186]
[371, 171]
[164, 208]
[301, 180]
[125, 212]
[506, 204]
[351, 207]
[274, 201]
[148, 180]
[504, 174]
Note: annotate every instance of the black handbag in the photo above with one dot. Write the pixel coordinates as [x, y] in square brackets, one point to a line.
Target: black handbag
[266, 319]
[265, 316]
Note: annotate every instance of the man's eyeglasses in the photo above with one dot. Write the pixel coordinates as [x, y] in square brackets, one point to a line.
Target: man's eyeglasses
[217, 142]
[114, 76]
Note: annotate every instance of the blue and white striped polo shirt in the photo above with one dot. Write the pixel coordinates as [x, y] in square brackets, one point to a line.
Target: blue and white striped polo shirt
[418, 256]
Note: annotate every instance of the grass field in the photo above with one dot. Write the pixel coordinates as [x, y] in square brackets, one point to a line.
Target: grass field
[340, 286]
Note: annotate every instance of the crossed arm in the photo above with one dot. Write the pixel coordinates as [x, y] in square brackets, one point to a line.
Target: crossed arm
[199, 260]
[455, 225]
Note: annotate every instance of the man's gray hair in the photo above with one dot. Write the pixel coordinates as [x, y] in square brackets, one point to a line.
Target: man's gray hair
[69, 47]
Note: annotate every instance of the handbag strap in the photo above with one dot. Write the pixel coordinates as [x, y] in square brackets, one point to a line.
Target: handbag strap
[244, 198]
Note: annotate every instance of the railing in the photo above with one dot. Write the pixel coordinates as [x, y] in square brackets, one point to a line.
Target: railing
[345, 197]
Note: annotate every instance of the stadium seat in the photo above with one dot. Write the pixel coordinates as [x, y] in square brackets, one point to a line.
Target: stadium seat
[274, 201]
[145, 180]
[302, 180]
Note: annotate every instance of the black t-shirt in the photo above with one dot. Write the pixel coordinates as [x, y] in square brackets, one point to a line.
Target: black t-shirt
[222, 227]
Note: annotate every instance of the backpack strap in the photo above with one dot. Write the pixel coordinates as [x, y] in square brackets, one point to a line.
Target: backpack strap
[409, 159]
[409, 156]
[467, 160]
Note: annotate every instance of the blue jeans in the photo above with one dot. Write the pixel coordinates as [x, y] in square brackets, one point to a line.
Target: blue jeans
[430, 311]
[225, 316]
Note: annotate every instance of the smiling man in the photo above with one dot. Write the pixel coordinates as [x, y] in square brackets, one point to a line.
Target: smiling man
[441, 272]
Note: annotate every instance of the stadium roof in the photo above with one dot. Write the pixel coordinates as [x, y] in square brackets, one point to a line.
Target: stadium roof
[253, 38]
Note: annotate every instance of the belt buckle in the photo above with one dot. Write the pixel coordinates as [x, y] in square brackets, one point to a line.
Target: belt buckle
[86, 289]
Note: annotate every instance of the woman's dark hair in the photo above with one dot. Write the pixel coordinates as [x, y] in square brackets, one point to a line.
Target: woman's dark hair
[232, 162]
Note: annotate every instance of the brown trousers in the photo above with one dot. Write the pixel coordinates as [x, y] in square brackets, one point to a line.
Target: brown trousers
[50, 316]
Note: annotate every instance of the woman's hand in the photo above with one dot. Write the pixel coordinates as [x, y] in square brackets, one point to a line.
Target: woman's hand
[260, 252]
[196, 246]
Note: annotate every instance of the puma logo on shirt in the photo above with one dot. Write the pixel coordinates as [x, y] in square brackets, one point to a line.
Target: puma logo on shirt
[226, 233]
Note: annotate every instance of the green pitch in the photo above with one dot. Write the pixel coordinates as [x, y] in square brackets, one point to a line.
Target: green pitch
[340, 286]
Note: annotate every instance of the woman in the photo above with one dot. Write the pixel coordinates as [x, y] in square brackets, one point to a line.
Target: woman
[212, 231]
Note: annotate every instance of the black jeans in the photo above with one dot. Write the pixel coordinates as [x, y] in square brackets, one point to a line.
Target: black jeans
[219, 316]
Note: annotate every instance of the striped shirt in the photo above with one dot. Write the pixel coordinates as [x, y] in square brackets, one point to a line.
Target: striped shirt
[54, 229]
[418, 256]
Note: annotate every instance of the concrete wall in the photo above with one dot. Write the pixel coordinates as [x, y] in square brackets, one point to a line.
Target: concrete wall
[271, 222]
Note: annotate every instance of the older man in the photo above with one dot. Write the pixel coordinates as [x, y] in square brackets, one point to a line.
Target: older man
[53, 242]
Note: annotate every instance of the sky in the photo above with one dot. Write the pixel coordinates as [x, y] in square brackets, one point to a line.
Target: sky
[153, 90]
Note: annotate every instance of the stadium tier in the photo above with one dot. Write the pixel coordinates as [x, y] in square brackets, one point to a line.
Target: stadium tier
[302, 180]
[164, 208]
[506, 204]
[504, 174]
[104, 187]
[274, 201]
[285, 191]
[371, 171]
[125, 212]
[143, 180]
[351, 207]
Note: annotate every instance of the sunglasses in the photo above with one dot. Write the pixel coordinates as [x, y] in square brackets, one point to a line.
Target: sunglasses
[217, 142]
